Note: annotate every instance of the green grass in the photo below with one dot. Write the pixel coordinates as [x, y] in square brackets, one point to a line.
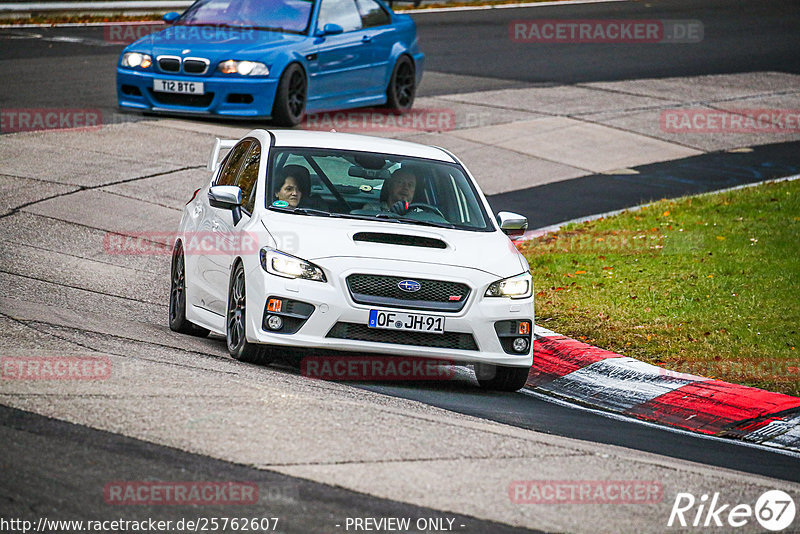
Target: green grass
[708, 285]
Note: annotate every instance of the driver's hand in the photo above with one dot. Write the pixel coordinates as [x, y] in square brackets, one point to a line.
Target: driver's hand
[400, 207]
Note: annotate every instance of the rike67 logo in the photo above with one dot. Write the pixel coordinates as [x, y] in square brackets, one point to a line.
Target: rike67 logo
[774, 510]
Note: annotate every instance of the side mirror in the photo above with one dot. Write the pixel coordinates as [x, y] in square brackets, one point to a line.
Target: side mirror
[330, 29]
[171, 17]
[512, 224]
[226, 197]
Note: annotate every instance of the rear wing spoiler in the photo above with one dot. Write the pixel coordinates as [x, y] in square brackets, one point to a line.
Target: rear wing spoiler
[219, 144]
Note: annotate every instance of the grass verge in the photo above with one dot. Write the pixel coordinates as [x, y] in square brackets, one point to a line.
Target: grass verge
[708, 285]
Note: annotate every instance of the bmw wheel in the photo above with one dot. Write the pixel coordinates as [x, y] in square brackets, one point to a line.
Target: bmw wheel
[235, 323]
[290, 99]
[402, 86]
[177, 297]
[501, 378]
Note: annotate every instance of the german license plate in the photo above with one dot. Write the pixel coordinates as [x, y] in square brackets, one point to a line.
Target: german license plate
[413, 322]
[174, 86]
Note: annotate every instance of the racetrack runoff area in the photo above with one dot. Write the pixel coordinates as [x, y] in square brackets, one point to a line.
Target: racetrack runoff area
[66, 295]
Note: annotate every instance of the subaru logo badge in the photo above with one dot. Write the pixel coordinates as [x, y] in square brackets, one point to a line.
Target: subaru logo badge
[409, 286]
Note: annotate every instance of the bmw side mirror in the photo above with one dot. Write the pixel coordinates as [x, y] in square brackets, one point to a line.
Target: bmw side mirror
[512, 224]
[226, 197]
[330, 29]
[171, 17]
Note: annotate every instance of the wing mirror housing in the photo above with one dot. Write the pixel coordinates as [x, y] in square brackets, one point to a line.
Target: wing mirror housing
[330, 29]
[171, 17]
[512, 224]
[226, 197]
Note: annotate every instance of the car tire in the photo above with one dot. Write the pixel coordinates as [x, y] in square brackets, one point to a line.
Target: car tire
[177, 297]
[500, 377]
[402, 86]
[290, 99]
[235, 323]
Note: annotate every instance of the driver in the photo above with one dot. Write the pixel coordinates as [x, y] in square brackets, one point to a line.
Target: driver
[399, 187]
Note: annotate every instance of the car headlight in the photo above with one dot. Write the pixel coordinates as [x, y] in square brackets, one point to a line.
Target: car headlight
[133, 60]
[245, 68]
[516, 287]
[288, 266]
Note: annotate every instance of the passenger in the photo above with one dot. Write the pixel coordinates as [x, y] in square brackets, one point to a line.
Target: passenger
[294, 185]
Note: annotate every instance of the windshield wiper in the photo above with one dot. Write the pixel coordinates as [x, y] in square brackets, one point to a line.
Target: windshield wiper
[273, 29]
[426, 223]
[305, 211]
[400, 219]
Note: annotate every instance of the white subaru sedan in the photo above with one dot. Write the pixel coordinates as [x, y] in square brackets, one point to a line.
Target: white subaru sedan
[351, 243]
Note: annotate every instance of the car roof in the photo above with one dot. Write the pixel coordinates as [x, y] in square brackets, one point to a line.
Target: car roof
[364, 143]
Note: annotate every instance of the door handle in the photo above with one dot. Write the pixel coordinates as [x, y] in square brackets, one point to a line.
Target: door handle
[366, 39]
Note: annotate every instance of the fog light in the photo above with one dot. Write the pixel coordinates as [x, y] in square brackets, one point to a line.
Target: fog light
[520, 344]
[276, 323]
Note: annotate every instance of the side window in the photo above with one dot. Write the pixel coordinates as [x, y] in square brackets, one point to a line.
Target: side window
[341, 12]
[372, 14]
[232, 163]
[248, 177]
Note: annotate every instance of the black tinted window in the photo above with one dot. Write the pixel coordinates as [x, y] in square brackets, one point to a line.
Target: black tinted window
[232, 163]
[248, 177]
[372, 14]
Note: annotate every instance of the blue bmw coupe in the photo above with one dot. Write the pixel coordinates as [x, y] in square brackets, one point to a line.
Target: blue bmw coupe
[273, 59]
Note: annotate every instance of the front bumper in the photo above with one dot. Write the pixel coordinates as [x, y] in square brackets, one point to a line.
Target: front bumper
[223, 96]
[470, 335]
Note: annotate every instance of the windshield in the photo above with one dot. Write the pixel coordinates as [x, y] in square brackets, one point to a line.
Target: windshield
[374, 186]
[279, 15]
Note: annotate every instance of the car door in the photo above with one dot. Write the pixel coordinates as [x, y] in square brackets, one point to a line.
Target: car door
[214, 236]
[241, 239]
[380, 36]
[342, 69]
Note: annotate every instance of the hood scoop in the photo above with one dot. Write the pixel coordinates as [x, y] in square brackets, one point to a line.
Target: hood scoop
[399, 239]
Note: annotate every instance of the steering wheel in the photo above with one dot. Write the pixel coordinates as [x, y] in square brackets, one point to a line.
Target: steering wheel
[426, 207]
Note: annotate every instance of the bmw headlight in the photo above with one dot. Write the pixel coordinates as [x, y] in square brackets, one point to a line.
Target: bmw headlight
[288, 266]
[245, 68]
[133, 60]
[516, 287]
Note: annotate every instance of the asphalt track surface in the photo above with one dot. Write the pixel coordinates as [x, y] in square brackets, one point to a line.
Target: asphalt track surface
[49, 484]
[738, 38]
[43, 67]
